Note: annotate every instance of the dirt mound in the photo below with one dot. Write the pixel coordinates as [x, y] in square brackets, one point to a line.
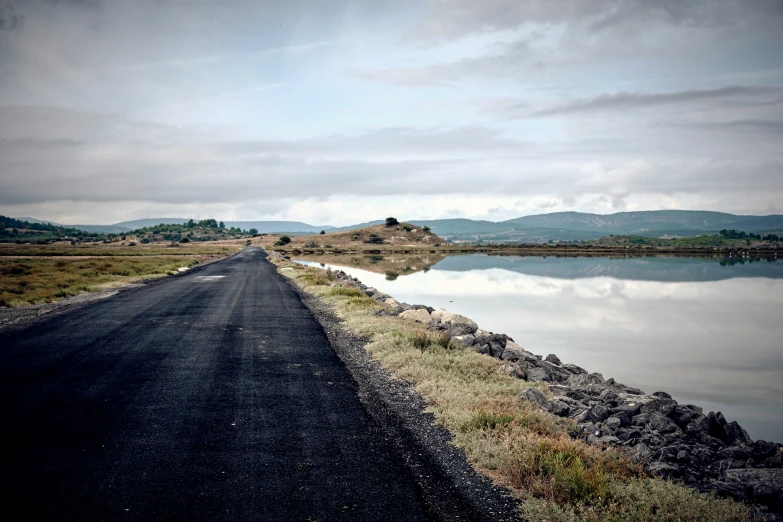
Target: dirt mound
[400, 235]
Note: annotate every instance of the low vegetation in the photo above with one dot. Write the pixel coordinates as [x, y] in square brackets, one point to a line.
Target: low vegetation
[39, 280]
[17, 231]
[559, 477]
[392, 235]
[21, 232]
[61, 249]
[726, 239]
[38, 273]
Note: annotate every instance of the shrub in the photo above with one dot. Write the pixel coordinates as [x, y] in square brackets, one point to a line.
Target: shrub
[184, 240]
[323, 232]
[133, 243]
[345, 291]
[392, 222]
[374, 239]
[284, 239]
[314, 279]
[406, 227]
[329, 274]
[423, 340]
[488, 421]
[311, 244]
[425, 228]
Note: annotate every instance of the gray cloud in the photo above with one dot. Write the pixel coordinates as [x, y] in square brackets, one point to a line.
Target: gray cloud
[10, 19]
[459, 17]
[625, 101]
[555, 104]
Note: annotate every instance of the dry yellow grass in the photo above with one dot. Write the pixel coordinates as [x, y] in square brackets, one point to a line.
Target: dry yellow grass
[62, 249]
[528, 451]
[34, 280]
[400, 236]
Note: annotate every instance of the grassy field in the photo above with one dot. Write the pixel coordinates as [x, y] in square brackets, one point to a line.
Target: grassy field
[33, 274]
[683, 242]
[39, 280]
[219, 248]
[528, 451]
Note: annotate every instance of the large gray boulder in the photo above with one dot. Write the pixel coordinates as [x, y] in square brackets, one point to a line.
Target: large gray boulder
[765, 484]
[420, 316]
[457, 324]
[466, 341]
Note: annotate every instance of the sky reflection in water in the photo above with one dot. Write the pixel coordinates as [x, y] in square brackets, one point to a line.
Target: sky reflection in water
[708, 334]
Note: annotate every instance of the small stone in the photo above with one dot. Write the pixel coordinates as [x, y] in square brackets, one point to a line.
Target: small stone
[659, 405]
[598, 413]
[662, 424]
[612, 424]
[735, 434]
[512, 370]
[538, 374]
[535, 396]
[559, 408]
[553, 359]
[664, 469]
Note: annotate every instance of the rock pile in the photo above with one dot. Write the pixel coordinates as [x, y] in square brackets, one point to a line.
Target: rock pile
[677, 441]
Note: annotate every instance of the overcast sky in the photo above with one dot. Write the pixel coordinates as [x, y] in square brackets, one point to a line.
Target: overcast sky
[340, 111]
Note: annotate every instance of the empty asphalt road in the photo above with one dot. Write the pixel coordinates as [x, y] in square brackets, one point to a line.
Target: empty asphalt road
[210, 396]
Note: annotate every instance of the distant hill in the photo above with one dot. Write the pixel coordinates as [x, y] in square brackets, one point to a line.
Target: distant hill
[540, 228]
[263, 227]
[581, 226]
[649, 221]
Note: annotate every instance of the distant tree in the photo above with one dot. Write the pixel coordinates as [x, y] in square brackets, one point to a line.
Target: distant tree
[211, 223]
[252, 231]
[284, 239]
[190, 223]
[392, 222]
[222, 225]
[323, 232]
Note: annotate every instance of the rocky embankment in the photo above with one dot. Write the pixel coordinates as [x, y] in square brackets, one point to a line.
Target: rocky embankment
[677, 441]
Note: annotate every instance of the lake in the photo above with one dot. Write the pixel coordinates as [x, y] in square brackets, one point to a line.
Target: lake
[707, 331]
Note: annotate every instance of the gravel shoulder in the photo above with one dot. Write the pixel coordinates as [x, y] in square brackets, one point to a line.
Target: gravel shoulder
[451, 486]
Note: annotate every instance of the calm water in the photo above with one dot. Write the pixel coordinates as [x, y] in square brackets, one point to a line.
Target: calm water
[709, 333]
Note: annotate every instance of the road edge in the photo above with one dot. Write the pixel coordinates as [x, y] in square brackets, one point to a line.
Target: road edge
[452, 488]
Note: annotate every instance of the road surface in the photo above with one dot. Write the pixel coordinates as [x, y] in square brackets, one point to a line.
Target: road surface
[209, 396]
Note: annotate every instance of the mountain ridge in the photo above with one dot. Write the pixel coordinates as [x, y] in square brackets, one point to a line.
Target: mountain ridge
[536, 228]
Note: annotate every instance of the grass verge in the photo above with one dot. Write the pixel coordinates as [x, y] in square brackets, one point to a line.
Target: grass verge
[520, 447]
[40, 280]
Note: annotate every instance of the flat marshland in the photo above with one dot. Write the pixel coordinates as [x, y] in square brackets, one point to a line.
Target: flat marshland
[532, 453]
[34, 274]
